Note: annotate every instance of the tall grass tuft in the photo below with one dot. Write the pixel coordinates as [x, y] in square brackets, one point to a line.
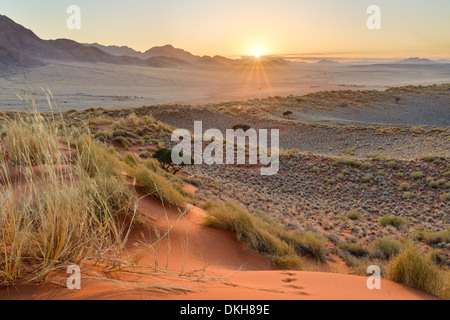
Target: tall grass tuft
[265, 235]
[415, 269]
[60, 200]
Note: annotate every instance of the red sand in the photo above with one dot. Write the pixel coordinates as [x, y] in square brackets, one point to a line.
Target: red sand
[213, 257]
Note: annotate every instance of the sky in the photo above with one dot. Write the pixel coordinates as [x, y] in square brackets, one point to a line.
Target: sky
[332, 28]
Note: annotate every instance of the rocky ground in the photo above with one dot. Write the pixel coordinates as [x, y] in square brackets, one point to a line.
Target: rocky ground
[315, 192]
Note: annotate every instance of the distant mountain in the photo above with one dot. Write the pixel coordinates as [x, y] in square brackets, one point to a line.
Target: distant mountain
[223, 60]
[21, 48]
[170, 51]
[326, 61]
[171, 54]
[117, 51]
[416, 61]
[11, 59]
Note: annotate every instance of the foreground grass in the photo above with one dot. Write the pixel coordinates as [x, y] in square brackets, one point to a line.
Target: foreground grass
[415, 269]
[62, 207]
[265, 236]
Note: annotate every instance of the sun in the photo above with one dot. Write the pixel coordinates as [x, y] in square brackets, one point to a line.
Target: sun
[257, 52]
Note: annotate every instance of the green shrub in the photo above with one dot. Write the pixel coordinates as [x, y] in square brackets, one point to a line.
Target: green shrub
[287, 113]
[145, 155]
[433, 184]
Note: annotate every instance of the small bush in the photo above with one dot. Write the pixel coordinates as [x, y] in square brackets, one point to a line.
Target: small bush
[368, 178]
[123, 141]
[433, 238]
[391, 220]
[354, 215]
[409, 195]
[366, 165]
[355, 249]
[388, 247]
[394, 164]
[315, 169]
[445, 197]
[416, 175]
[404, 186]
[145, 155]
[287, 113]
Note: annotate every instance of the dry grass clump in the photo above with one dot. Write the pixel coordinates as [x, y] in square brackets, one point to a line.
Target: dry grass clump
[355, 249]
[264, 235]
[404, 186]
[66, 210]
[385, 248]
[157, 185]
[31, 141]
[415, 269]
[432, 238]
[354, 215]
[391, 220]
[416, 175]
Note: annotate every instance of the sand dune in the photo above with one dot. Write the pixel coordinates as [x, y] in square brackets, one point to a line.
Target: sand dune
[215, 267]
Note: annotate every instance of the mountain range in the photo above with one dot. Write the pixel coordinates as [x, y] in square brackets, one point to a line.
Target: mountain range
[21, 48]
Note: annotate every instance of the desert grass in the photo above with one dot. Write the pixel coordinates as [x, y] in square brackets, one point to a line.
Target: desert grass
[65, 207]
[432, 237]
[73, 203]
[263, 234]
[385, 248]
[414, 268]
[159, 186]
[354, 215]
[391, 220]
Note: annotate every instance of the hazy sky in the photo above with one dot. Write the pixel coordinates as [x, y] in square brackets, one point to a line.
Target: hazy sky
[240, 27]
